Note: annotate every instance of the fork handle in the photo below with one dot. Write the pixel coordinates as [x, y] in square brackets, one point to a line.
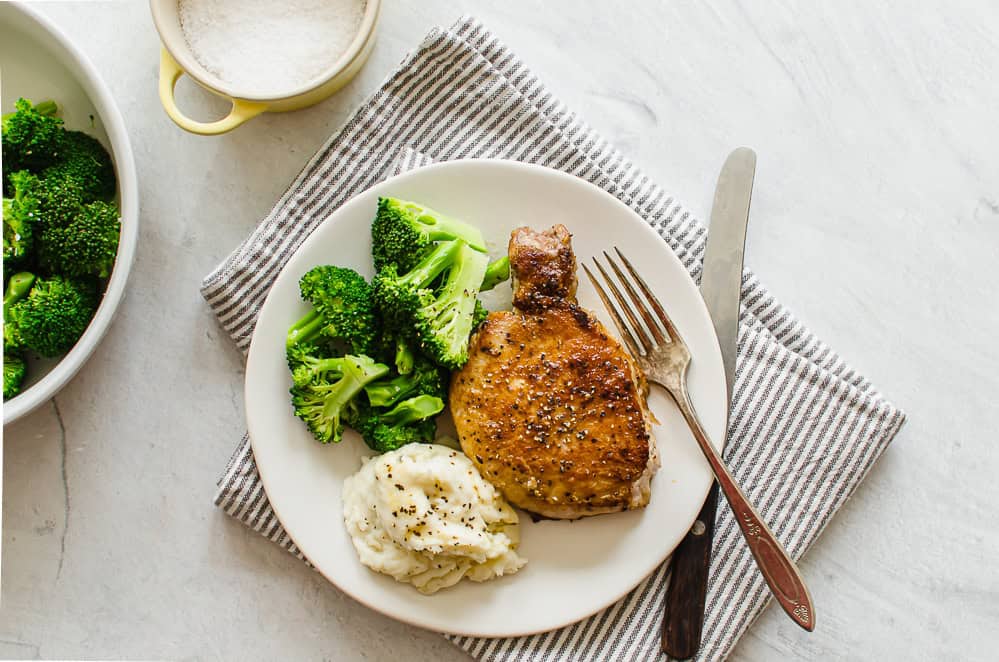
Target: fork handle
[779, 571]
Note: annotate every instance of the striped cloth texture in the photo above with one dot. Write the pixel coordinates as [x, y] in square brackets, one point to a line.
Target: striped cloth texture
[804, 428]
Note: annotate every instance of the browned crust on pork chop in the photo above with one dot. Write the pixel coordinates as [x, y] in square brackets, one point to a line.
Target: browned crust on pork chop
[550, 406]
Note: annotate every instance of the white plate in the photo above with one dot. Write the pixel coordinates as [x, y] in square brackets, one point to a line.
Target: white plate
[574, 568]
[39, 62]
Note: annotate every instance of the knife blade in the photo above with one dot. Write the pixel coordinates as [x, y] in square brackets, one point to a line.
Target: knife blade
[721, 289]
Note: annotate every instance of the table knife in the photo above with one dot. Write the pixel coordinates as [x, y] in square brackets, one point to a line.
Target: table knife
[721, 287]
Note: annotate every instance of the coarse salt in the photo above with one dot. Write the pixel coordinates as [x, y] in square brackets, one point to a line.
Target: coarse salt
[269, 48]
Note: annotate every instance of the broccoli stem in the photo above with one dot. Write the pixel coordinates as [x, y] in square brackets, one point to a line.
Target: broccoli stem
[437, 260]
[454, 309]
[412, 410]
[404, 357]
[18, 288]
[443, 228]
[323, 402]
[385, 394]
[305, 329]
[496, 273]
[356, 374]
[47, 107]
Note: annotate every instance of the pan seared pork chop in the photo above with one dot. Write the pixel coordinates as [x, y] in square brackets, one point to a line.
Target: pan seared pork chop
[550, 406]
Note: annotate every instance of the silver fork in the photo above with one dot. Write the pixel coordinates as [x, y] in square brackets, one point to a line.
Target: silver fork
[661, 353]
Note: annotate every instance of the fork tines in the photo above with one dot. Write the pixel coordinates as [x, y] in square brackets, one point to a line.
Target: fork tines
[641, 338]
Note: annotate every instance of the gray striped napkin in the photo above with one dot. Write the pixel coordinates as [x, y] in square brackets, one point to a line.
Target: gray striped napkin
[805, 428]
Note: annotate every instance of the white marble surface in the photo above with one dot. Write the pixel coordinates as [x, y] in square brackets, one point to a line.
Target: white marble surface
[875, 218]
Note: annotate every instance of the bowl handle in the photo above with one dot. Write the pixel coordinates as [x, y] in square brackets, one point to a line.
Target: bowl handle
[170, 73]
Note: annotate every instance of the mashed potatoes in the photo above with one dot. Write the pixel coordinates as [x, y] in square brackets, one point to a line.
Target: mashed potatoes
[424, 515]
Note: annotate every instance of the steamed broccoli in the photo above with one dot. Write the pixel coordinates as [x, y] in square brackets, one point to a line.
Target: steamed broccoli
[403, 331]
[17, 288]
[410, 421]
[303, 353]
[440, 317]
[399, 293]
[404, 356]
[51, 201]
[53, 316]
[86, 246]
[83, 159]
[402, 231]
[392, 345]
[18, 232]
[445, 325]
[49, 177]
[35, 204]
[309, 363]
[424, 379]
[31, 137]
[496, 273]
[383, 437]
[327, 394]
[13, 373]
[332, 383]
[342, 309]
[480, 315]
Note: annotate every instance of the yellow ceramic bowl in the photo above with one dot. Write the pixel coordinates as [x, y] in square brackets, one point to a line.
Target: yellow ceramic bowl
[177, 59]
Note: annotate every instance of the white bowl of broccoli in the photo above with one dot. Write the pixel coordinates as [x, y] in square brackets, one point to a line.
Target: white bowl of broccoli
[70, 208]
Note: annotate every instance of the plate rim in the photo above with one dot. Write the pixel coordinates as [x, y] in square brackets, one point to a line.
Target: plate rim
[356, 200]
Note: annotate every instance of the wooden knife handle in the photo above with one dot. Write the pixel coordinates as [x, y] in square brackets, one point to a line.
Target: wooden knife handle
[683, 617]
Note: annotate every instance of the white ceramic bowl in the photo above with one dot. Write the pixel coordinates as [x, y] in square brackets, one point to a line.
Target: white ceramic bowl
[39, 62]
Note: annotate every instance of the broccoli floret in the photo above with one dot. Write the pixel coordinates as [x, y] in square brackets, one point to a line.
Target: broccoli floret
[17, 288]
[35, 203]
[445, 325]
[31, 137]
[323, 400]
[398, 293]
[13, 373]
[496, 273]
[441, 317]
[394, 347]
[54, 315]
[342, 309]
[410, 421]
[87, 246]
[83, 159]
[312, 368]
[58, 200]
[18, 233]
[402, 231]
[384, 438]
[301, 353]
[424, 379]
[480, 314]
[50, 201]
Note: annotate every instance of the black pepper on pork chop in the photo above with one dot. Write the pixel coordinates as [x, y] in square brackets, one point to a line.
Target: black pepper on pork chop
[550, 406]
